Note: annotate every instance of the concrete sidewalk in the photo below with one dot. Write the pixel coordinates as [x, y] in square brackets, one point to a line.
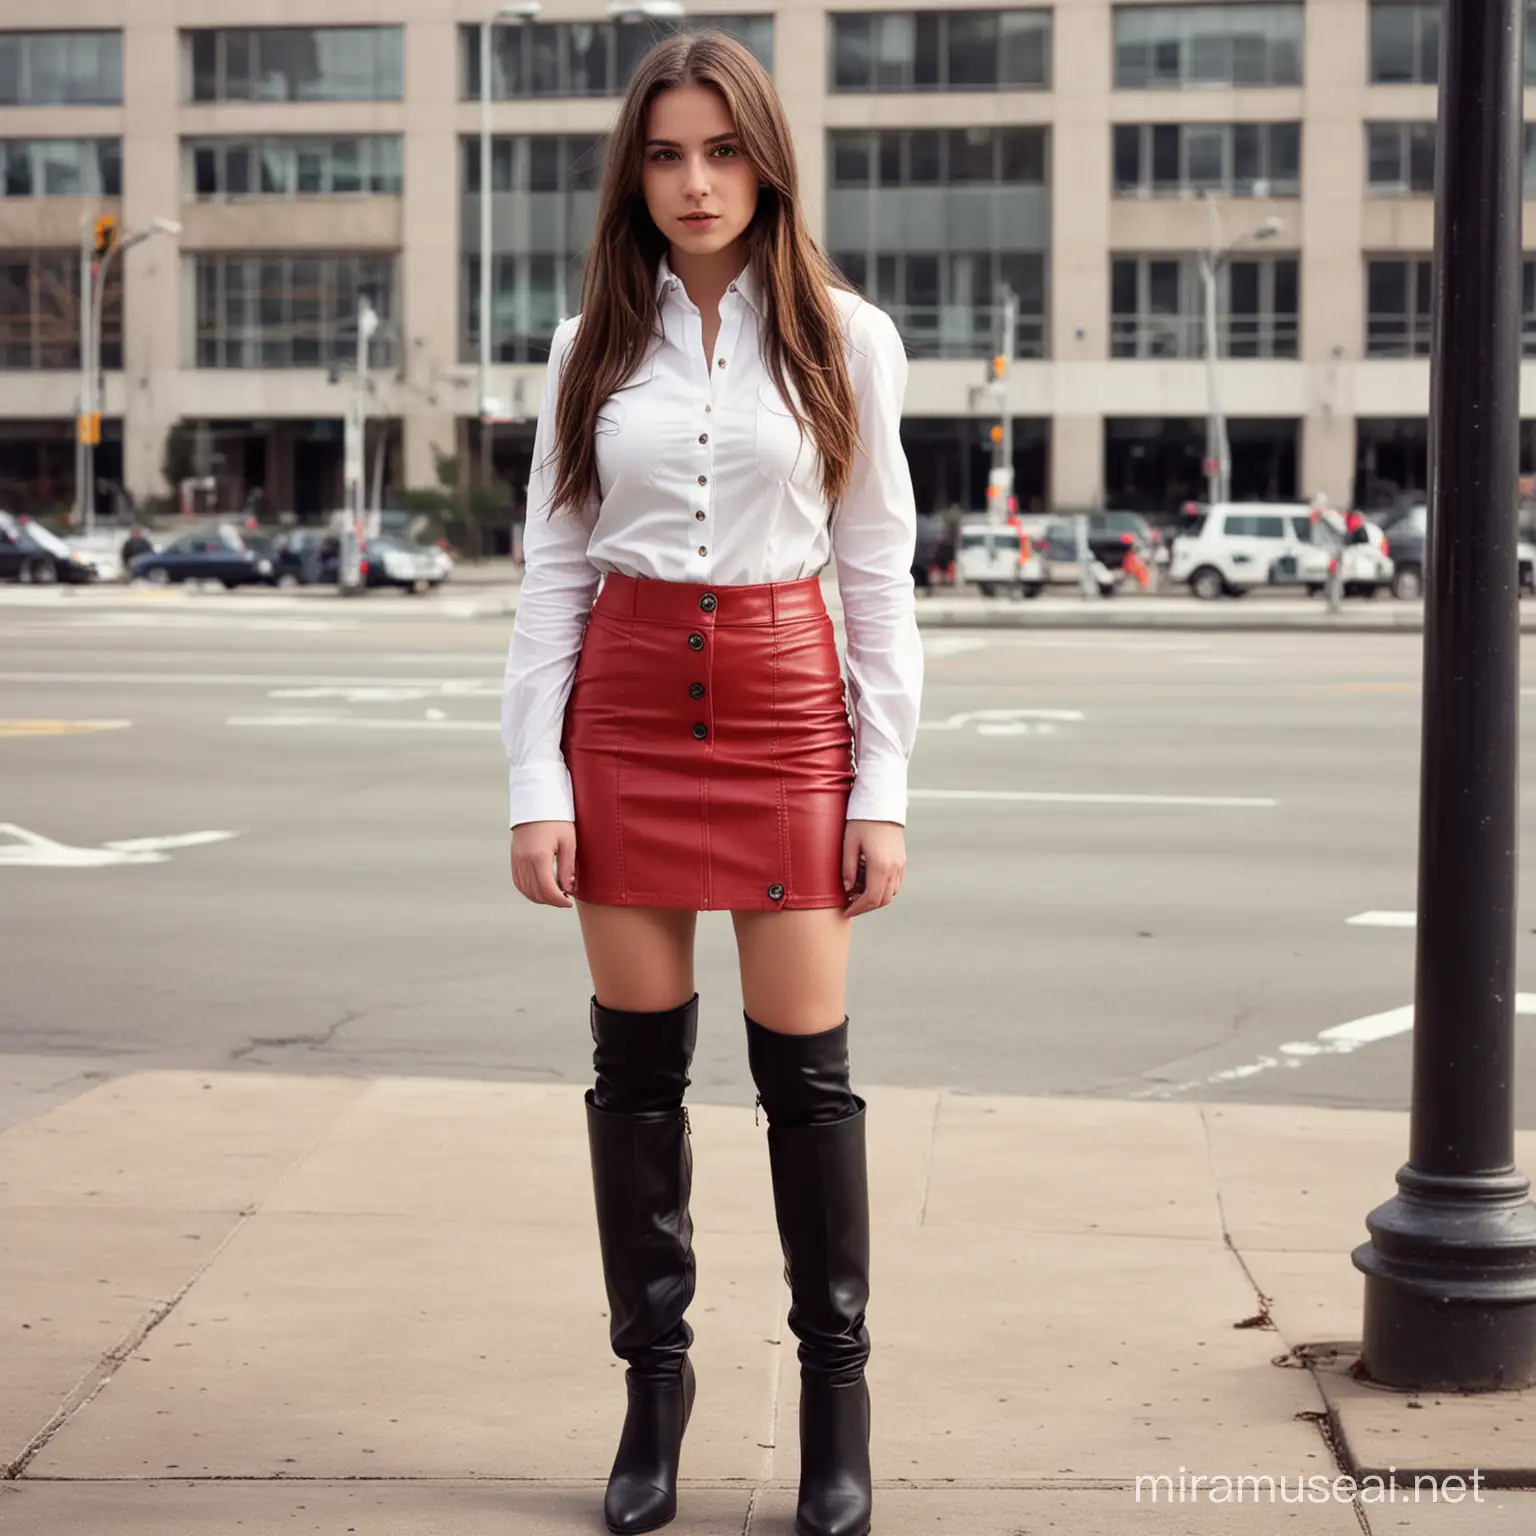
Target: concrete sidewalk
[307, 1305]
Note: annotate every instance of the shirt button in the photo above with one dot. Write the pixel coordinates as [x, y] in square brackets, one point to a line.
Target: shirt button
[703, 437]
[733, 288]
[696, 690]
[708, 409]
[703, 479]
[700, 731]
[721, 363]
[695, 642]
[704, 550]
[775, 892]
[699, 516]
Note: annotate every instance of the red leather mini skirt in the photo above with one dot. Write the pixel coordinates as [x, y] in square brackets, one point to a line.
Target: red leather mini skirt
[710, 748]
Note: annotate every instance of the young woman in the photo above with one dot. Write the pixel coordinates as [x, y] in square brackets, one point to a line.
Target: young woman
[722, 416]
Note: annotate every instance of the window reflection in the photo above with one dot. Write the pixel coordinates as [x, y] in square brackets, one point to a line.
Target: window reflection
[296, 64]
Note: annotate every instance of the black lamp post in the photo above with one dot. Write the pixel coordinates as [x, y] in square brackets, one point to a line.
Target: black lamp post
[1450, 1290]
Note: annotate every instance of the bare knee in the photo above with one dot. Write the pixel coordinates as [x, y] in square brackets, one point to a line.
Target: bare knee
[794, 968]
[641, 958]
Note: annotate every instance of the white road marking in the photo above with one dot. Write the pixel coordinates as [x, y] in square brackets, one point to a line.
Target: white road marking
[33, 851]
[342, 722]
[1339, 1040]
[941, 647]
[386, 693]
[253, 625]
[1384, 920]
[234, 680]
[1007, 722]
[1042, 797]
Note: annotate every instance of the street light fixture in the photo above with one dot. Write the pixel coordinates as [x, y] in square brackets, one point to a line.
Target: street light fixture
[646, 10]
[1218, 450]
[511, 15]
[93, 384]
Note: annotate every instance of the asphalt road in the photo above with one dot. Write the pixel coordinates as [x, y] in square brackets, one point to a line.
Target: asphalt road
[1171, 912]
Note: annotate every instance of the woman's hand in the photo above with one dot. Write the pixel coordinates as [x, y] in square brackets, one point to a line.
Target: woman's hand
[544, 861]
[881, 847]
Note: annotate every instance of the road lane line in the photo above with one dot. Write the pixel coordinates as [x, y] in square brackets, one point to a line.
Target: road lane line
[363, 723]
[1338, 1040]
[1043, 797]
[1384, 920]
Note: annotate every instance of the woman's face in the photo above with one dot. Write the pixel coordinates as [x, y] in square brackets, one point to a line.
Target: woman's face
[699, 186]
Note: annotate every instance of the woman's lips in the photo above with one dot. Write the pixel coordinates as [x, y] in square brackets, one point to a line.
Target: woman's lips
[700, 220]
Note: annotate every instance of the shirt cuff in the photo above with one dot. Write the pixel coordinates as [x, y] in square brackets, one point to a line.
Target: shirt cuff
[542, 792]
[879, 792]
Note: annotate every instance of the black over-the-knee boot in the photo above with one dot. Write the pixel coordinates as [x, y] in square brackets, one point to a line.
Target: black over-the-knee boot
[642, 1173]
[821, 1196]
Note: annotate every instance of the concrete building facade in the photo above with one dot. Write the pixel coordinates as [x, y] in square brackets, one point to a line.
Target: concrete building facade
[316, 149]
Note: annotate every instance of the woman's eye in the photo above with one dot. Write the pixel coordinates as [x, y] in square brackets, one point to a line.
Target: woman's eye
[725, 149]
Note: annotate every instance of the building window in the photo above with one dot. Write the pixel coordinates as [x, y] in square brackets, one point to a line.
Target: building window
[226, 168]
[929, 222]
[1186, 159]
[1175, 47]
[544, 206]
[40, 311]
[295, 64]
[900, 157]
[941, 50]
[1157, 307]
[1399, 293]
[1405, 43]
[945, 304]
[1400, 159]
[61, 69]
[61, 167]
[1397, 306]
[295, 310]
[587, 58]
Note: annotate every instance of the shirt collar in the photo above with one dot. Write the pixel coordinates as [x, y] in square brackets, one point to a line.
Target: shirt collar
[746, 284]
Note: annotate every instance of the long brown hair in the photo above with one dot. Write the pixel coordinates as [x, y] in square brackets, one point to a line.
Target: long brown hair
[802, 339]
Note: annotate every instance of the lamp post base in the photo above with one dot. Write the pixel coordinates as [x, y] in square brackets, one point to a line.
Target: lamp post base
[1450, 1284]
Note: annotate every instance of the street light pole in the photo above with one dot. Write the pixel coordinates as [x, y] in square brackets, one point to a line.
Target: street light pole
[85, 500]
[515, 14]
[1450, 1268]
[95, 384]
[1218, 450]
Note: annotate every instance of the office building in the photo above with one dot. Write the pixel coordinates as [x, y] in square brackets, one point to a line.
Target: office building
[1083, 152]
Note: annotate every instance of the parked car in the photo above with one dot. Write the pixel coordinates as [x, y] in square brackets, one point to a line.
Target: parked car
[1114, 533]
[1407, 535]
[1057, 537]
[34, 555]
[1232, 548]
[221, 556]
[1000, 557]
[399, 562]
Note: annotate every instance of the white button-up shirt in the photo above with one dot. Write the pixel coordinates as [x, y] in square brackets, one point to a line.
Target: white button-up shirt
[704, 478]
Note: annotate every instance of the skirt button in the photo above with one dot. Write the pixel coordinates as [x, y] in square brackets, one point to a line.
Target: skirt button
[695, 642]
[700, 731]
[775, 892]
[696, 690]
[709, 602]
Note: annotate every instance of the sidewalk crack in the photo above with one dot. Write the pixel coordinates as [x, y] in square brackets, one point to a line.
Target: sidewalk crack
[1318, 1418]
[765, 1473]
[933, 1134]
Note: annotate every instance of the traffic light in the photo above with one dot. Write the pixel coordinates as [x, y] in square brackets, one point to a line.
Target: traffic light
[1000, 367]
[997, 435]
[106, 234]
